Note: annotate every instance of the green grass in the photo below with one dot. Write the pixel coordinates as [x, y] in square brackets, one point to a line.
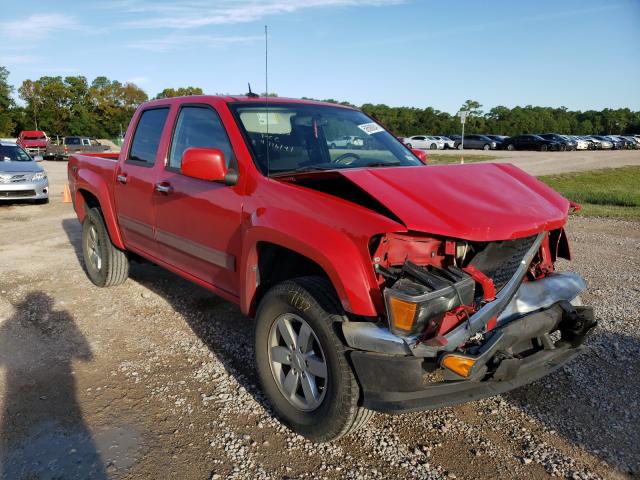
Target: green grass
[611, 192]
[446, 158]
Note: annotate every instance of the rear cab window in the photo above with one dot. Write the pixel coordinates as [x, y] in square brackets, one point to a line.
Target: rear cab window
[146, 138]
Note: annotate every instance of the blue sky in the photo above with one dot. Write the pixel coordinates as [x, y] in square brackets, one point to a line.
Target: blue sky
[581, 54]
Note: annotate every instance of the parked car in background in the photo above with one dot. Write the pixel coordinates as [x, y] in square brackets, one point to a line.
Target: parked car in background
[21, 177]
[634, 142]
[448, 142]
[619, 143]
[581, 143]
[477, 142]
[565, 143]
[70, 145]
[35, 142]
[346, 141]
[425, 142]
[499, 139]
[604, 143]
[530, 142]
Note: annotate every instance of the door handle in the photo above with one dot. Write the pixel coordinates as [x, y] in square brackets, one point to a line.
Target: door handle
[122, 178]
[163, 188]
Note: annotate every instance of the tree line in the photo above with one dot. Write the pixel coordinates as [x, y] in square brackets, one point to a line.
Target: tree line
[102, 109]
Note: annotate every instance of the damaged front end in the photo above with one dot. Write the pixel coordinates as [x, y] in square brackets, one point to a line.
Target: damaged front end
[465, 319]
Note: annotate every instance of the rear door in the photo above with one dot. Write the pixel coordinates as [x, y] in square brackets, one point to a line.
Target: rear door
[198, 221]
[135, 181]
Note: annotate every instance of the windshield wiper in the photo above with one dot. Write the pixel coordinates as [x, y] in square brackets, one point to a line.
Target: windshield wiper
[315, 168]
[380, 164]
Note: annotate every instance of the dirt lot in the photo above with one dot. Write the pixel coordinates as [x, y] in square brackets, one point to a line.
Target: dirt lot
[154, 379]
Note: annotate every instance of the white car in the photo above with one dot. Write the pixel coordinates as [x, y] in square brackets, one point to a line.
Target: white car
[448, 143]
[424, 142]
[581, 143]
[348, 141]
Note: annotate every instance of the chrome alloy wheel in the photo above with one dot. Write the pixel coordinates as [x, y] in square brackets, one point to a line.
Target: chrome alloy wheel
[93, 248]
[298, 363]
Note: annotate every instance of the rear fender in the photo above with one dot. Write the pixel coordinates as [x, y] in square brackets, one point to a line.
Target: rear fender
[348, 266]
[93, 183]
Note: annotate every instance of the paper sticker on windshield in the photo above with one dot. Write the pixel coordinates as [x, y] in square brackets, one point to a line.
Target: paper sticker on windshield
[370, 128]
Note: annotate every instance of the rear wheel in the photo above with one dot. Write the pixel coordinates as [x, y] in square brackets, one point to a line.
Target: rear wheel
[105, 264]
[543, 148]
[302, 363]
[511, 147]
[459, 146]
[433, 146]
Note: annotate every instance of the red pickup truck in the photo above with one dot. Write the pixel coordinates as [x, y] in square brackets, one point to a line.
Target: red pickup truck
[377, 282]
[35, 142]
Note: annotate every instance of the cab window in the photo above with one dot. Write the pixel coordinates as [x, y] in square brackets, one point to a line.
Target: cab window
[146, 138]
[198, 126]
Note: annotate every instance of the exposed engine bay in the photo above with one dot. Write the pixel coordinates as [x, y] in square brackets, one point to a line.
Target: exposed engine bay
[431, 285]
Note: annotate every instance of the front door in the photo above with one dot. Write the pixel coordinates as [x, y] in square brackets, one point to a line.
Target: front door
[135, 182]
[198, 221]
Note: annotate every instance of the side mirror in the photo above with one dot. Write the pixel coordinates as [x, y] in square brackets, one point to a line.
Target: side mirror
[421, 154]
[207, 164]
[38, 158]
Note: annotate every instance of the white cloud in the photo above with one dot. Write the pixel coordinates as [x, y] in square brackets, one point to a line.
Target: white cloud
[37, 26]
[197, 13]
[171, 42]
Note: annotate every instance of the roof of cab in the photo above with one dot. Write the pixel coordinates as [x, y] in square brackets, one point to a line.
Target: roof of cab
[236, 99]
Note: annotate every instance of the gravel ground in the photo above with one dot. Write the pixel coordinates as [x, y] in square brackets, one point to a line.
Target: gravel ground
[154, 378]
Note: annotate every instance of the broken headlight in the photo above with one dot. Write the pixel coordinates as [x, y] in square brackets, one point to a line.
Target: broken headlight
[421, 296]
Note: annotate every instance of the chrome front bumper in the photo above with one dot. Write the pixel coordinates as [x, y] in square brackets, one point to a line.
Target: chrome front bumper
[31, 190]
[512, 302]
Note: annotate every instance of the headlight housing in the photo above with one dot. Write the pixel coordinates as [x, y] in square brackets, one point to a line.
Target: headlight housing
[38, 176]
[411, 305]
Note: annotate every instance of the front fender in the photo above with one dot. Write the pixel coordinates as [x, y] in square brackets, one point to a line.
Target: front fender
[344, 259]
[95, 184]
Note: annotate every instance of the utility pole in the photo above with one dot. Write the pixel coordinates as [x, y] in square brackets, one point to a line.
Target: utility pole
[463, 118]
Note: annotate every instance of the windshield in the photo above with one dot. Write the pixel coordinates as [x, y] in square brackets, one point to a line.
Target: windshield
[316, 137]
[13, 153]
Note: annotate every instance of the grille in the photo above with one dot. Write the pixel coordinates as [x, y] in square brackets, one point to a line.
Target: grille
[13, 178]
[500, 260]
[17, 193]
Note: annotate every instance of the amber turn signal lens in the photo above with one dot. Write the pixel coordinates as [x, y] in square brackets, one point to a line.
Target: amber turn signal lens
[457, 364]
[403, 314]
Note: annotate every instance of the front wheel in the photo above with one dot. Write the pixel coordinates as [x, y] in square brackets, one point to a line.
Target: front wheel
[433, 146]
[302, 363]
[460, 146]
[105, 264]
[511, 147]
[543, 148]
[486, 146]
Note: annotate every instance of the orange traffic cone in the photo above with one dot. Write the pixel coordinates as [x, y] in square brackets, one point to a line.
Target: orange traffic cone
[66, 194]
[461, 160]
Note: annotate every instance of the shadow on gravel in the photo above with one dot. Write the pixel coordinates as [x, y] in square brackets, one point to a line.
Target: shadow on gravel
[593, 401]
[42, 432]
[73, 229]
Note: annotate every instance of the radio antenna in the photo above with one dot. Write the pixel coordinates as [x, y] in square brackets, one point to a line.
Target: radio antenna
[266, 89]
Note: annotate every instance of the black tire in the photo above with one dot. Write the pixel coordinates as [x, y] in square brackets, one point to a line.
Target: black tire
[459, 147]
[333, 145]
[433, 146]
[543, 148]
[113, 265]
[486, 146]
[511, 147]
[314, 300]
[408, 145]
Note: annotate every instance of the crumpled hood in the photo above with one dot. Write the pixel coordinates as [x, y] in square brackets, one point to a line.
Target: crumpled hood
[478, 202]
